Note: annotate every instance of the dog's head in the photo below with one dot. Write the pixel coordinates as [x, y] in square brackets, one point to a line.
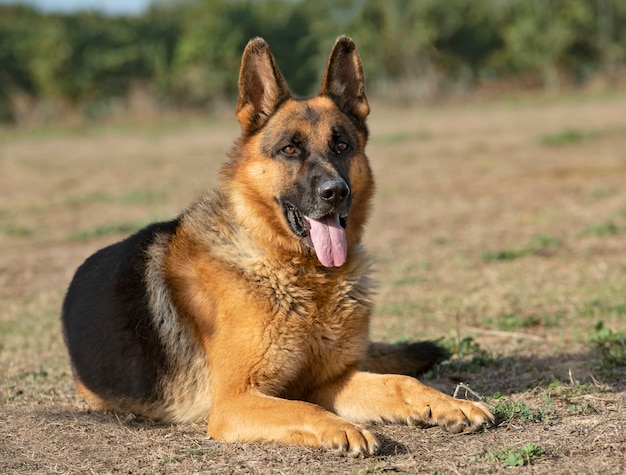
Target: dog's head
[299, 173]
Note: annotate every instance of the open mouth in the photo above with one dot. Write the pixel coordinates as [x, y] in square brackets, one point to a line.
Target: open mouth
[326, 234]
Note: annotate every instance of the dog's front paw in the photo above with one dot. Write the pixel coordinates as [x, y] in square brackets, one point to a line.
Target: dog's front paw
[457, 415]
[348, 439]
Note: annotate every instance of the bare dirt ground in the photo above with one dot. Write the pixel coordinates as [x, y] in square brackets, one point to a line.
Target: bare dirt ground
[499, 228]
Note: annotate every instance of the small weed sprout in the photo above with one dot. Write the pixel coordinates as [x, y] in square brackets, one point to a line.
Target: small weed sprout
[612, 345]
[466, 355]
[511, 456]
[505, 410]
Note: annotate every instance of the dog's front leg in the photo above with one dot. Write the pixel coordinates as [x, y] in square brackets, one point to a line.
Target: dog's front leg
[253, 417]
[363, 397]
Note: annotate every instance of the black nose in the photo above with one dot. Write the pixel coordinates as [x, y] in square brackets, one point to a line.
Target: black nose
[334, 191]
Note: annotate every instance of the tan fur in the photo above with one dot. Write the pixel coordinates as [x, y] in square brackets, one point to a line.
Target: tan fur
[95, 402]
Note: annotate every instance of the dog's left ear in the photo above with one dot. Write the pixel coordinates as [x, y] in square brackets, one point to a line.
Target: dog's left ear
[343, 80]
[262, 87]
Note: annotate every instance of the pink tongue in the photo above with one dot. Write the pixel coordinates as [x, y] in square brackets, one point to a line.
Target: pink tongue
[329, 240]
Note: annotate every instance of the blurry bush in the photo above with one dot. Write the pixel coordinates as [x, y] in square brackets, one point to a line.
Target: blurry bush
[184, 54]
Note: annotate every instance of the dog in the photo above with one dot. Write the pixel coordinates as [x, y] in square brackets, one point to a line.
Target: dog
[250, 310]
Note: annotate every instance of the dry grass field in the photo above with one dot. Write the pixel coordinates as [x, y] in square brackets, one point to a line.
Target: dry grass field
[499, 228]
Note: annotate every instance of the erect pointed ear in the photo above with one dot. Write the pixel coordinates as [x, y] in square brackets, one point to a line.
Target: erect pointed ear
[262, 87]
[343, 80]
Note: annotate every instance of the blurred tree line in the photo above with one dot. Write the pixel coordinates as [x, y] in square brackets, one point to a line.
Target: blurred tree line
[186, 53]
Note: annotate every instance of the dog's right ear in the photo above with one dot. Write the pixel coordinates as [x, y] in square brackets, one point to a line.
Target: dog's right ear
[262, 87]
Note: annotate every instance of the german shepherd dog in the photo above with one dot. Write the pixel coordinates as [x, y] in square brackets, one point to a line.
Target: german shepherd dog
[250, 311]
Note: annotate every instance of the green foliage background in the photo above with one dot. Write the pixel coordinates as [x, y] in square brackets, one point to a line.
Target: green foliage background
[185, 53]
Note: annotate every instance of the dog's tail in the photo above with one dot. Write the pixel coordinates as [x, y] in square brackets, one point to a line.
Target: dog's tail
[411, 359]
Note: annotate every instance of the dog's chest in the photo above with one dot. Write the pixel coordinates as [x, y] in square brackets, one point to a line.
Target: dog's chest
[316, 328]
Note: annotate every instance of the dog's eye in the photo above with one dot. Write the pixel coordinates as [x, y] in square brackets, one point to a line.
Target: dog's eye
[288, 150]
[342, 147]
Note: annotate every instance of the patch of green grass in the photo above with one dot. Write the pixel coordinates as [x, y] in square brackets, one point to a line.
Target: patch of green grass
[551, 320]
[400, 309]
[171, 460]
[502, 255]
[566, 137]
[602, 308]
[413, 273]
[14, 387]
[514, 321]
[441, 241]
[510, 322]
[540, 245]
[505, 410]
[402, 137]
[105, 230]
[143, 196]
[195, 452]
[29, 467]
[612, 345]
[408, 280]
[568, 390]
[13, 230]
[584, 408]
[600, 230]
[467, 355]
[396, 138]
[134, 197]
[8, 226]
[189, 453]
[603, 192]
[29, 326]
[33, 375]
[512, 456]
[572, 390]
[543, 244]
[465, 347]
[376, 466]
[77, 201]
